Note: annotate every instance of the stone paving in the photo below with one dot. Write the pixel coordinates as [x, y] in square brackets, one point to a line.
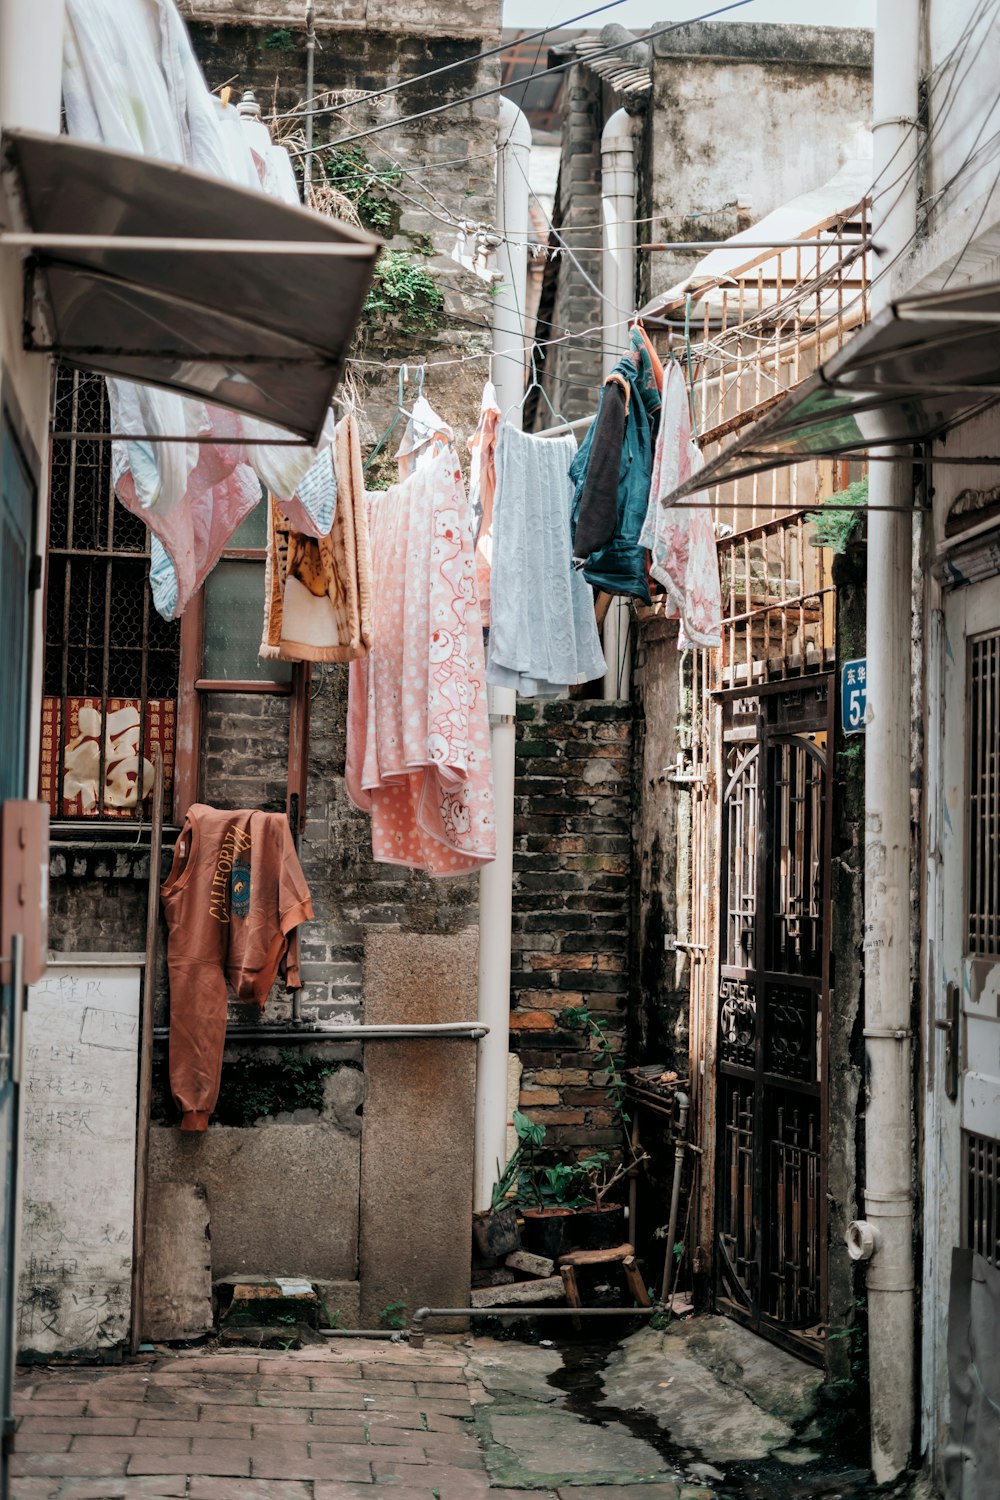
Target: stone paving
[359, 1420]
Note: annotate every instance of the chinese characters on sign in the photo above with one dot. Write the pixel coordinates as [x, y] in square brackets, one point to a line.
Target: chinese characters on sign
[854, 695]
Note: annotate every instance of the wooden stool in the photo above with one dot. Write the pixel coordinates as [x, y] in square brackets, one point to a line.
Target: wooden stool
[622, 1255]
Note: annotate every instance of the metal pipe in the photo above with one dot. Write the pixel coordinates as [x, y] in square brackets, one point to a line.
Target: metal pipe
[437, 1031]
[146, 1036]
[423, 1313]
[888, 1187]
[618, 275]
[496, 879]
[310, 99]
[683, 1105]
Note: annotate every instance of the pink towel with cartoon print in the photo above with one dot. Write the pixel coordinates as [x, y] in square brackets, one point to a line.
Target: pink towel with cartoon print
[418, 738]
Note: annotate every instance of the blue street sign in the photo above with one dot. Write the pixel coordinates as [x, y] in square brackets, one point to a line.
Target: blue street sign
[853, 695]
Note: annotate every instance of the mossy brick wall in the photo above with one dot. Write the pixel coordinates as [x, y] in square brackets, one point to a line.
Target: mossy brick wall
[572, 875]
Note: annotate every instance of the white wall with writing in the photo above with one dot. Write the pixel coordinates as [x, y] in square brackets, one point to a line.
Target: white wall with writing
[81, 1061]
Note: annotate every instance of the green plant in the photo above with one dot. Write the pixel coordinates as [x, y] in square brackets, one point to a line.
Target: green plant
[262, 1088]
[404, 295]
[392, 1315]
[281, 40]
[573, 1018]
[836, 526]
[365, 185]
[843, 1410]
[529, 1135]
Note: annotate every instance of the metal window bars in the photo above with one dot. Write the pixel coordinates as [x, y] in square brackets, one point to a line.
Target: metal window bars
[111, 663]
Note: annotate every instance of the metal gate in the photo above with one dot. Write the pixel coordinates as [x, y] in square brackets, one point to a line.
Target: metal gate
[770, 1212]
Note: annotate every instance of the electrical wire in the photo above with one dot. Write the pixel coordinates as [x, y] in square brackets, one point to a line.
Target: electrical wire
[462, 62]
[490, 93]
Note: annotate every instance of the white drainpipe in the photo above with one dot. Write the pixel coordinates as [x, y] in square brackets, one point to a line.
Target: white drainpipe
[618, 283]
[513, 151]
[885, 1237]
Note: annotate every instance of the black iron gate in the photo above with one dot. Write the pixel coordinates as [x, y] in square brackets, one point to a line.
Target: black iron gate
[773, 1001]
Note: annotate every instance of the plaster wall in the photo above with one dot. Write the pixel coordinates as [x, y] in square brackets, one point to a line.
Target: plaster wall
[744, 118]
[963, 108]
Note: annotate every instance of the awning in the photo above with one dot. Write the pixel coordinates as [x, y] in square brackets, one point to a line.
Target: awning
[921, 367]
[158, 274]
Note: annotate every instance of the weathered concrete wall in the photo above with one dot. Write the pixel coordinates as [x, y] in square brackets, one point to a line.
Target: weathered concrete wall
[747, 114]
[416, 1161]
[572, 862]
[474, 18]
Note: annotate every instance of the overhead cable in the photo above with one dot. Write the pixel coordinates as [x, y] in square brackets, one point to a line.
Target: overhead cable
[438, 109]
[462, 62]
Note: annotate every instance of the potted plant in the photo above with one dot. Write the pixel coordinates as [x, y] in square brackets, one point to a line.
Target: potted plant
[495, 1233]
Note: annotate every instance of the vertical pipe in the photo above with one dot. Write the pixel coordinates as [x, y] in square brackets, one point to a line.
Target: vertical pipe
[618, 284]
[888, 1191]
[307, 160]
[145, 1102]
[513, 149]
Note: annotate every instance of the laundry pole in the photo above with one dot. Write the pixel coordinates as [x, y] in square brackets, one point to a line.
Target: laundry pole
[618, 275]
[495, 880]
[885, 1237]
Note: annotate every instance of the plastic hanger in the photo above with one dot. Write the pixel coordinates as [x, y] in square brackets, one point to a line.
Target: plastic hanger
[403, 375]
[535, 384]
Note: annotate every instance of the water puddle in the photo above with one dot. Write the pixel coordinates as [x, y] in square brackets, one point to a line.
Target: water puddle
[582, 1385]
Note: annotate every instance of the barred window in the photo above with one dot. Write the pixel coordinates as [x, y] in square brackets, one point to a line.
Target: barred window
[119, 679]
[111, 663]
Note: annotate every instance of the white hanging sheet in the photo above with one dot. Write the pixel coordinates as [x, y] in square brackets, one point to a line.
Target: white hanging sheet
[131, 81]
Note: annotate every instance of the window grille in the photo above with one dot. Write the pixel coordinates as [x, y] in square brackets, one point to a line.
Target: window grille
[982, 1197]
[111, 663]
[983, 874]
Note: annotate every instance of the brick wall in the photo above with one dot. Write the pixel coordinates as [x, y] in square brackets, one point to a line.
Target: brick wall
[572, 873]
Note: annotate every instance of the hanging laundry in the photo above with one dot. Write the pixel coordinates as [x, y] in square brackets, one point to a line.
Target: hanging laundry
[318, 590]
[543, 633]
[482, 488]
[234, 895]
[612, 473]
[131, 81]
[685, 558]
[418, 739]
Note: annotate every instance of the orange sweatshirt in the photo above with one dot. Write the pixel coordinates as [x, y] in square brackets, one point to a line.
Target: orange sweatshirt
[234, 894]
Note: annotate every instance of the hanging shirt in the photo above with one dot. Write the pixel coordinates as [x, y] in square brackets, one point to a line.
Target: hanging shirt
[418, 738]
[234, 894]
[685, 558]
[612, 473]
[543, 637]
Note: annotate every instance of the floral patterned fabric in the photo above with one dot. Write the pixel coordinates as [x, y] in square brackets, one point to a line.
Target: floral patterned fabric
[684, 558]
[418, 737]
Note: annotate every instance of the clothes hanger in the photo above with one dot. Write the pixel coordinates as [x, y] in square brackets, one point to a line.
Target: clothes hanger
[402, 376]
[535, 384]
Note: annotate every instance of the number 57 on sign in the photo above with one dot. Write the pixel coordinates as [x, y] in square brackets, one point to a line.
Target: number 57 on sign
[853, 695]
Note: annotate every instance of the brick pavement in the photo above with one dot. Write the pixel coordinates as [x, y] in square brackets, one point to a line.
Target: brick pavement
[359, 1420]
[355, 1420]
